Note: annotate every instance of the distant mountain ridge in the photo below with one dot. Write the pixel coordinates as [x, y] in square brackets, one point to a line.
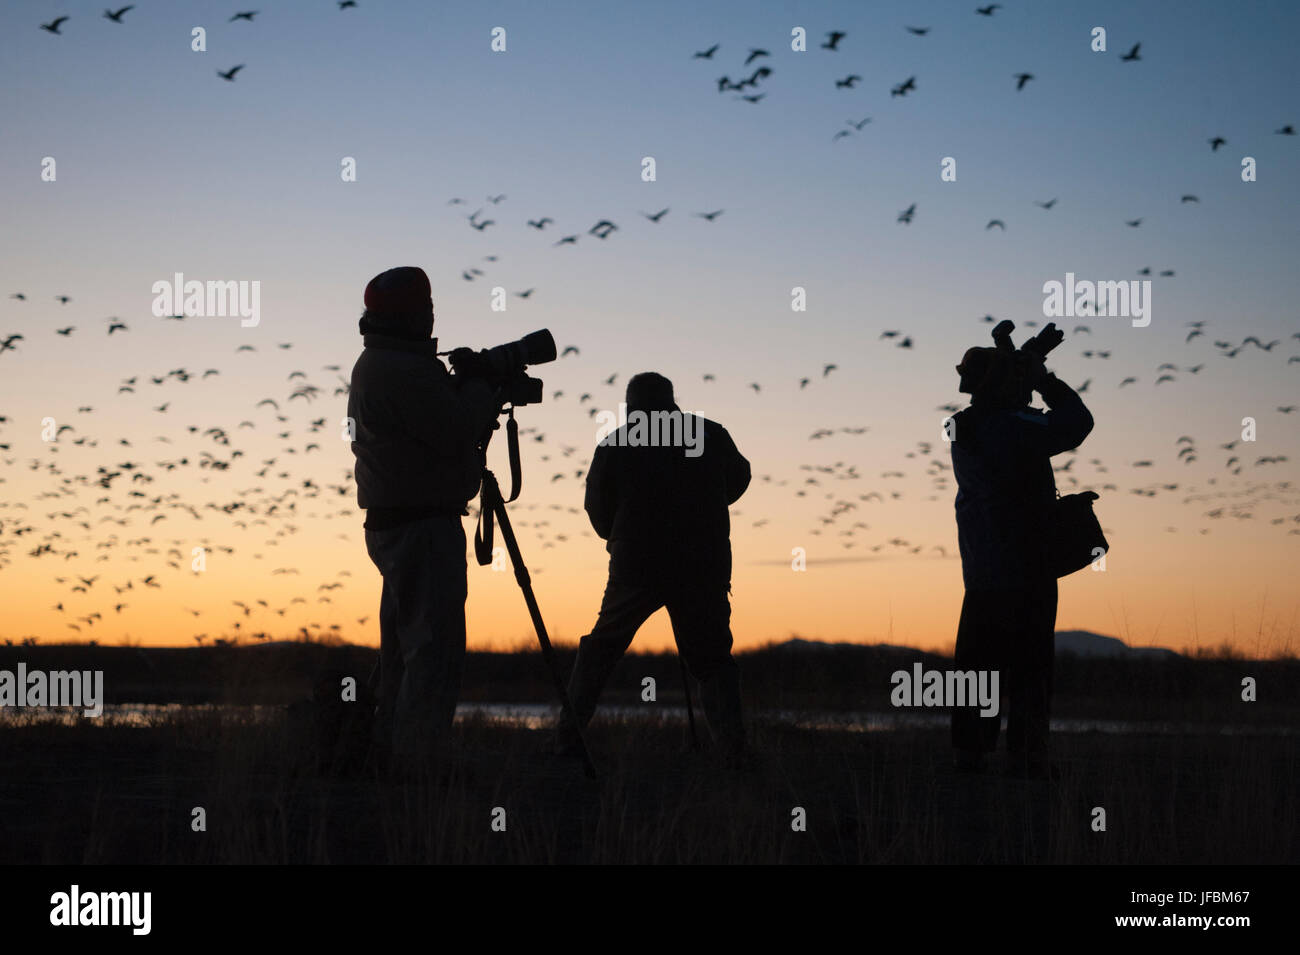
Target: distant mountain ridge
[1081, 643]
[1085, 643]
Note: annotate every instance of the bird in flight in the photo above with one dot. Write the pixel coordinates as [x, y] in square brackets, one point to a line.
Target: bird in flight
[987, 11]
[833, 40]
[1190, 199]
[754, 55]
[246, 15]
[53, 26]
[905, 216]
[541, 223]
[848, 81]
[657, 216]
[344, 5]
[1022, 79]
[1045, 205]
[229, 75]
[707, 54]
[1287, 130]
[996, 222]
[116, 17]
[919, 31]
[710, 215]
[1132, 54]
[902, 89]
[1133, 223]
[858, 126]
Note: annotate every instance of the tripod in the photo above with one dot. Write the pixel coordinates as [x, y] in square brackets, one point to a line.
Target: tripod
[492, 508]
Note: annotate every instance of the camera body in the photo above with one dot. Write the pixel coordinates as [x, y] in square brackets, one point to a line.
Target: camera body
[1040, 345]
[503, 367]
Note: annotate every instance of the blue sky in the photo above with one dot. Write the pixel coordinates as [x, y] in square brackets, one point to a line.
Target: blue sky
[164, 167]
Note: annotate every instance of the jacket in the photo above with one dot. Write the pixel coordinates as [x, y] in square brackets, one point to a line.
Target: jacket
[664, 513]
[416, 428]
[1001, 458]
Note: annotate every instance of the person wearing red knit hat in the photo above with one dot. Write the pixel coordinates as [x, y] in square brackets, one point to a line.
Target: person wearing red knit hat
[415, 433]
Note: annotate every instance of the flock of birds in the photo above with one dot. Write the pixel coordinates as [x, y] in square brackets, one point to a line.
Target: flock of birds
[105, 499]
[116, 16]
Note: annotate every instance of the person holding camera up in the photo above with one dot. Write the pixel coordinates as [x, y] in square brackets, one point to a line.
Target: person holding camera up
[1001, 457]
[416, 436]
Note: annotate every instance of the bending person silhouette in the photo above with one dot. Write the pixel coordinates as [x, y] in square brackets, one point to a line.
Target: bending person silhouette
[1001, 457]
[416, 430]
[658, 491]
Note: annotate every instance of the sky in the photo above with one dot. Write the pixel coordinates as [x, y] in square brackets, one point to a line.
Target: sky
[161, 167]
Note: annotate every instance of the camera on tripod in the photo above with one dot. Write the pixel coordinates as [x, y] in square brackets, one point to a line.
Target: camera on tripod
[503, 367]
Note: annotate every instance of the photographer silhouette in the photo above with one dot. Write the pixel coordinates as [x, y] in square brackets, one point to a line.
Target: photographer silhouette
[663, 512]
[1001, 456]
[415, 438]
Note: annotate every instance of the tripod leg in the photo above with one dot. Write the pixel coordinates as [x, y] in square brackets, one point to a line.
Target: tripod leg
[495, 501]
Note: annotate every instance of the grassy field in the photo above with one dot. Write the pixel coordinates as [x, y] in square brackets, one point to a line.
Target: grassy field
[273, 792]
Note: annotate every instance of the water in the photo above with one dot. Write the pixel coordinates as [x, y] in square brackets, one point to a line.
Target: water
[542, 715]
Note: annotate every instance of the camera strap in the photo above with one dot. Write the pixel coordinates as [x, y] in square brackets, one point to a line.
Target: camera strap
[512, 449]
[483, 533]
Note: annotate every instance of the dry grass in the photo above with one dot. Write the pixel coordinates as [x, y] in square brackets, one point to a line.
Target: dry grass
[101, 793]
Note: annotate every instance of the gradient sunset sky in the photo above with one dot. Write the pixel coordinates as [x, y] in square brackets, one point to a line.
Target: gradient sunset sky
[163, 167]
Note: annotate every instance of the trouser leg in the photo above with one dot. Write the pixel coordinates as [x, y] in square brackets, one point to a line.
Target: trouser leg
[623, 609]
[1032, 658]
[423, 564]
[390, 668]
[980, 642]
[702, 627]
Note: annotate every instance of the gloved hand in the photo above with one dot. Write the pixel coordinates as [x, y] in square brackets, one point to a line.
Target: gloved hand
[481, 402]
[1044, 341]
[1031, 367]
[468, 363]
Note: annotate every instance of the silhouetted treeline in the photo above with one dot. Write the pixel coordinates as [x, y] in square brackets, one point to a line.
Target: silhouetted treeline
[794, 676]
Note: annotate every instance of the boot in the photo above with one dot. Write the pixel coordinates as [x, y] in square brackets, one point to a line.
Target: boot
[720, 697]
[591, 670]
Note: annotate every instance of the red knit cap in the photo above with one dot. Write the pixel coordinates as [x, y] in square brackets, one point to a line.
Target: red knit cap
[397, 291]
